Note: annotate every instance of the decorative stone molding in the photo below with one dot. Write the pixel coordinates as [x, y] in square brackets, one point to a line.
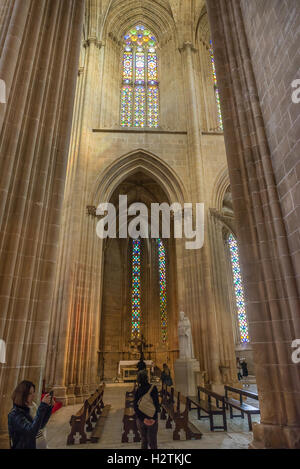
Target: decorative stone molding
[92, 40]
[187, 45]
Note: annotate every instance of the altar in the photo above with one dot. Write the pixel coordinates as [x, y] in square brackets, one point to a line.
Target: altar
[128, 369]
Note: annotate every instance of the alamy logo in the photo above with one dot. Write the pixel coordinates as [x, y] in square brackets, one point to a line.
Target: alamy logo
[296, 353]
[296, 93]
[2, 92]
[138, 225]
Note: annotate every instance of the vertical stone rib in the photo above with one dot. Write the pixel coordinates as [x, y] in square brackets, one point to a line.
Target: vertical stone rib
[5, 18]
[11, 48]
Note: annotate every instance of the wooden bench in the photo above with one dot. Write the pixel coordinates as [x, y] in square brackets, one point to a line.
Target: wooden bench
[178, 416]
[89, 414]
[129, 418]
[247, 409]
[209, 408]
[182, 418]
[167, 404]
[98, 430]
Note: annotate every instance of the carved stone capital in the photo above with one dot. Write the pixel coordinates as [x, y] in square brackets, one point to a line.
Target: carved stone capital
[92, 40]
[187, 45]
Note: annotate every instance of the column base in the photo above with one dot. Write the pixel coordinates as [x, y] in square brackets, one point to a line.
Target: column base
[60, 393]
[275, 436]
[185, 379]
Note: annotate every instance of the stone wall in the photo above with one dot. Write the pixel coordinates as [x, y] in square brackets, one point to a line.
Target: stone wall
[270, 278]
[272, 29]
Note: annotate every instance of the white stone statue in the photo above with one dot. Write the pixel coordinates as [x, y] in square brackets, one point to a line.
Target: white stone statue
[186, 349]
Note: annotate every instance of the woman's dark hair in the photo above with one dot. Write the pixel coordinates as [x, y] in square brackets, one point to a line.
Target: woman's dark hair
[21, 393]
[142, 378]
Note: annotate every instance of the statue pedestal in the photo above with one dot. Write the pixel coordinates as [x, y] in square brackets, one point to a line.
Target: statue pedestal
[185, 377]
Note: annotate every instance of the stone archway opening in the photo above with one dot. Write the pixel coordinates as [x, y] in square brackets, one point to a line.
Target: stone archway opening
[117, 287]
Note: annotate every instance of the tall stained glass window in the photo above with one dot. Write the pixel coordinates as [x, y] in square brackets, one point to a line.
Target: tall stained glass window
[162, 290]
[136, 289]
[140, 86]
[238, 288]
[217, 93]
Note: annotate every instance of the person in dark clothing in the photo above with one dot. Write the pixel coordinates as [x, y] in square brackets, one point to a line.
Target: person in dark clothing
[147, 425]
[22, 428]
[165, 376]
[239, 368]
[141, 365]
[244, 368]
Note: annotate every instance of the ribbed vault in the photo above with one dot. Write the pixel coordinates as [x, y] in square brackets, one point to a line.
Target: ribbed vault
[123, 14]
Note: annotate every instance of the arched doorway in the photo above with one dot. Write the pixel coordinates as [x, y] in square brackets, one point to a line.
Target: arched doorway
[155, 263]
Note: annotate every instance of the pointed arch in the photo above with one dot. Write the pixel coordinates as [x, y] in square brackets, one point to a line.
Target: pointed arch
[131, 163]
[220, 187]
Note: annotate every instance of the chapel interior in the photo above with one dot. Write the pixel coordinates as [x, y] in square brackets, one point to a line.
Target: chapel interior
[164, 102]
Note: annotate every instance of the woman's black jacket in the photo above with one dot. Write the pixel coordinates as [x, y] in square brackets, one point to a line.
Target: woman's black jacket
[138, 394]
[23, 429]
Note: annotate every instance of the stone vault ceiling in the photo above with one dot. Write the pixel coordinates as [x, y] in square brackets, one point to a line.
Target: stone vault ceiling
[163, 17]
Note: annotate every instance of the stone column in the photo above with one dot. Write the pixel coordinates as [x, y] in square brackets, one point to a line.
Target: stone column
[72, 353]
[39, 61]
[221, 290]
[200, 301]
[270, 288]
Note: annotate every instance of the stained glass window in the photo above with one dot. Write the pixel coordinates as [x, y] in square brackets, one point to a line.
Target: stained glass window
[153, 106]
[162, 290]
[217, 93]
[139, 106]
[126, 105]
[140, 86]
[140, 68]
[238, 288]
[136, 289]
[127, 66]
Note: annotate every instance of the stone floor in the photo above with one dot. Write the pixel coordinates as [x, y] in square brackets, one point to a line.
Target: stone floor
[237, 436]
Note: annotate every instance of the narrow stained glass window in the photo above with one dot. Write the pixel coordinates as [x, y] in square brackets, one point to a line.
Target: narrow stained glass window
[238, 288]
[162, 290]
[140, 68]
[153, 106]
[127, 66]
[139, 107]
[140, 100]
[152, 67]
[136, 289]
[217, 93]
[126, 106]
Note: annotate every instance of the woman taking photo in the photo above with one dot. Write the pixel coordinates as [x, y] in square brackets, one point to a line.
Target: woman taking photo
[23, 428]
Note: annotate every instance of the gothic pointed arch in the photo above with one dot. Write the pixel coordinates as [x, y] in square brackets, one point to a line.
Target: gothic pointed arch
[131, 163]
